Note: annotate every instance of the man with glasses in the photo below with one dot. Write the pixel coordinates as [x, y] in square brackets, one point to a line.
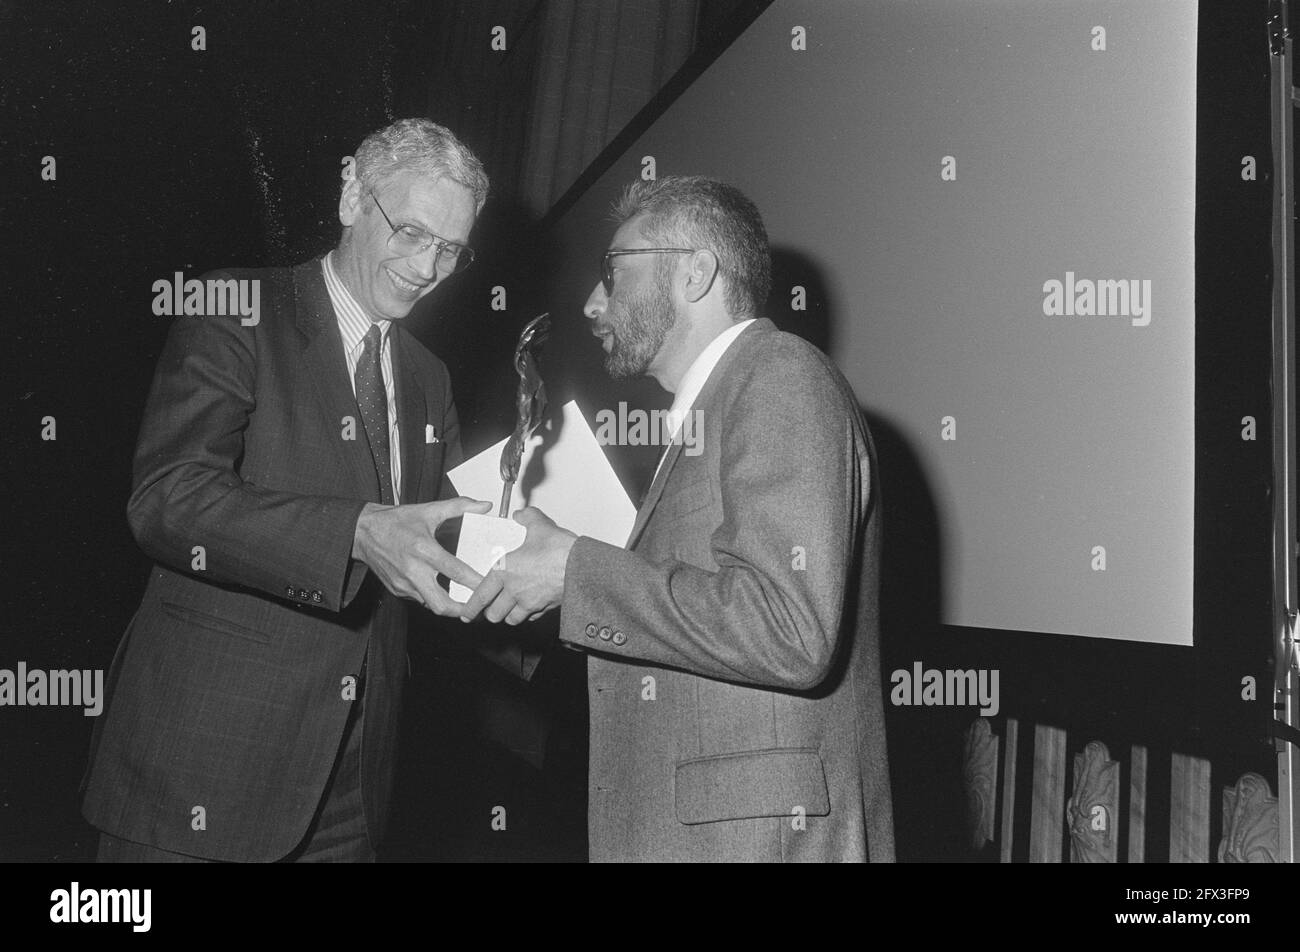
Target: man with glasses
[289, 478]
[734, 661]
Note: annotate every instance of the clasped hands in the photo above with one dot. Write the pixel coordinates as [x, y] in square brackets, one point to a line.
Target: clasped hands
[398, 544]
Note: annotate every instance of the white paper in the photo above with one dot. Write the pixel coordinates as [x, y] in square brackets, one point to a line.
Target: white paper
[564, 473]
[484, 540]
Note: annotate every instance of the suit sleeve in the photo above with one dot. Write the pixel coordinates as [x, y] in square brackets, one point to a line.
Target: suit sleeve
[187, 491]
[789, 477]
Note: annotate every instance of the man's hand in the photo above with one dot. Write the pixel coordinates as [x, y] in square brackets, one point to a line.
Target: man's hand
[529, 581]
[397, 543]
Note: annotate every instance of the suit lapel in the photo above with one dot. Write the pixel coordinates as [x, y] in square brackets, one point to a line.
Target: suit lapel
[328, 369]
[656, 490]
[411, 413]
[711, 387]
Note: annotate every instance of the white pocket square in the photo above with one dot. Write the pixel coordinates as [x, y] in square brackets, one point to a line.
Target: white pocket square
[430, 433]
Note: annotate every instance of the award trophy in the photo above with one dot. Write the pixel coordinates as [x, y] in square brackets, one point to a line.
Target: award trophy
[530, 404]
[485, 539]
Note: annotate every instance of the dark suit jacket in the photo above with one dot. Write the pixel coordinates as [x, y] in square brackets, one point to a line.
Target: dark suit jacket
[734, 677]
[227, 691]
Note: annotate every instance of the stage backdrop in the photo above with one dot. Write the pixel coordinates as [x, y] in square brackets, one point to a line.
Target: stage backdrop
[984, 211]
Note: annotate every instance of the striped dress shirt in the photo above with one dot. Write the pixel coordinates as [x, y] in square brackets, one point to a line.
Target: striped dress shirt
[353, 325]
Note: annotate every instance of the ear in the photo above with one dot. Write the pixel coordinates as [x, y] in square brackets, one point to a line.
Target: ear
[350, 198]
[701, 273]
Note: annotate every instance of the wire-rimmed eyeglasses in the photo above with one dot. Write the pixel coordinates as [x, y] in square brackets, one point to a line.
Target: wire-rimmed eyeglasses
[409, 240]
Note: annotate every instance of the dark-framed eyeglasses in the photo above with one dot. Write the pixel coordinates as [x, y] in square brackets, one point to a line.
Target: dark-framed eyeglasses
[410, 240]
[607, 267]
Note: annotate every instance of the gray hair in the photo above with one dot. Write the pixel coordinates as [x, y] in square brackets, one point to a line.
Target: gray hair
[423, 146]
[695, 212]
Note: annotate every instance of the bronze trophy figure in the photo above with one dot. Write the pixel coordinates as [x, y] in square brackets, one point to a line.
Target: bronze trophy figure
[530, 403]
[485, 539]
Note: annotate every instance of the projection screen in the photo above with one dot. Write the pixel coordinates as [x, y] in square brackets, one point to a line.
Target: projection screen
[995, 204]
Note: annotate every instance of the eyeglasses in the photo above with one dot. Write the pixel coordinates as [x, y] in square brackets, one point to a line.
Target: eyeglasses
[607, 269]
[410, 240]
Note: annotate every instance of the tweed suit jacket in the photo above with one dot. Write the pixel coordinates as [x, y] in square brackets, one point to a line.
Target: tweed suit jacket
[229, 690]
[734, 671]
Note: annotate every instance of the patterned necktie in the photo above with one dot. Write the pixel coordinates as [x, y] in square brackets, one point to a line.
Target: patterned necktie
[372, 401]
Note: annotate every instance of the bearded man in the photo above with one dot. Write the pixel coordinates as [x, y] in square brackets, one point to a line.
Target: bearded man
[734, 661]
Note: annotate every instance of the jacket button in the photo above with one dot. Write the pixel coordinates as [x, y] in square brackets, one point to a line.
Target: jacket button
[304, 594]
[591, 631]
[620, 638]
[604, 634]
[290, 592]
[316, 596]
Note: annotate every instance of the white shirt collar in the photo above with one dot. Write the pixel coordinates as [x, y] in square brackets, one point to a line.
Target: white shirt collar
[698, 373]
[353, 321]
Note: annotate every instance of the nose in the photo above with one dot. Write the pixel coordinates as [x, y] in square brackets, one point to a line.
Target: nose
[596, 302]
[425, 264]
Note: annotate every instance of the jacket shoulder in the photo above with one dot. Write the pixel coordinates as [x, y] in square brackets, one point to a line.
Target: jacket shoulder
[780, 362]
[271, 288]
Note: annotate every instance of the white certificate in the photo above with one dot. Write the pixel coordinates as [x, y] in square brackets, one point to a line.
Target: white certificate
[564, 473]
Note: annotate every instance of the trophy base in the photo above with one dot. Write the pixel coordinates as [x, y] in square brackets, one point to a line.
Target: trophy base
[483, 541]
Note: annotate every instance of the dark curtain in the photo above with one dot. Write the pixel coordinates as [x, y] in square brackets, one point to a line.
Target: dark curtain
[571, 76]
[598, 64]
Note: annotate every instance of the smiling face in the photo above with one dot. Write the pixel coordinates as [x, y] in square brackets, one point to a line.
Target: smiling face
[385, 284]
[634, 319]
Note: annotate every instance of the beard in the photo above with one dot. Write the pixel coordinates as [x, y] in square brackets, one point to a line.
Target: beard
[640, 327]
